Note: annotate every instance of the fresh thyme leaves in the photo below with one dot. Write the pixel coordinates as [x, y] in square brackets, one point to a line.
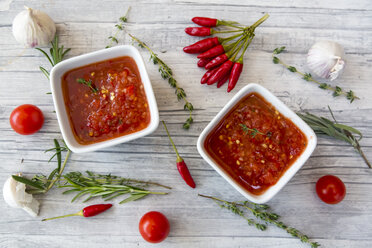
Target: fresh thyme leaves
[253, 131]
[106, 186]
[167, 74]
[322, 125]
[337, 91]
[57, 54]
[119, 26]
[89, 83]
[262, 213]
[41, 184]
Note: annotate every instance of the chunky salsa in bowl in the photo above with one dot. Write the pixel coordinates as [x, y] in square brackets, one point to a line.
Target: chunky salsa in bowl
[103, 98]
[256, 143]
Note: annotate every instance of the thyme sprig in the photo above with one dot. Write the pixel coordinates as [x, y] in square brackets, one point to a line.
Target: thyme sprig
[262, 213]
[119, 27]
[167, 74]
[322, 125]
[57, 54]
[88, 83]
[337, 91]
[41, 184]
[106, 186]
[253, 131]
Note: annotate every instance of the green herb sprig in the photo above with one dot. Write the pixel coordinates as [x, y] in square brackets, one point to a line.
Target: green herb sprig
[167, 74]
[322, 125]
[262, 213]
[41, 184]
[88, 83]
[57, 54]
[106, 186]
[337, 91]
[119, 27]
[253, 131]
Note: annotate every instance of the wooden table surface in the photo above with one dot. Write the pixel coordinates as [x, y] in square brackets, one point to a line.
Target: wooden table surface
[195, 222]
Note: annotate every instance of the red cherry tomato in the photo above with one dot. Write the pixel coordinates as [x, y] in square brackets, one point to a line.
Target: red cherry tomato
[330, 189]
[26, 119]
[154, 227]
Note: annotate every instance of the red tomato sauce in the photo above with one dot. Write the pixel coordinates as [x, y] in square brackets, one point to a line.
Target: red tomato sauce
[115, 103]
[258, 156]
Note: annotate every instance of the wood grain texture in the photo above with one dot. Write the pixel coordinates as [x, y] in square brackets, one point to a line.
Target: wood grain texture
[195, 222]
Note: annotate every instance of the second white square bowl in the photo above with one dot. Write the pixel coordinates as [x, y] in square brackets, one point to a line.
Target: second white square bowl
[284, 110]
[63, 119]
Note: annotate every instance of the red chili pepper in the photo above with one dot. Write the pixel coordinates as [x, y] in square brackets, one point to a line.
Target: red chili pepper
[202, 45]
[203, 62]
[207, 75]
[205, 21]
[181, 165]
[234, 75]
[199, 31]
[87, 211]
[213, 52]
[221, 72]
[223, 80]
[217, 61]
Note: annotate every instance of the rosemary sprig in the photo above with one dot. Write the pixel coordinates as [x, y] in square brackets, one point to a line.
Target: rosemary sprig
[253, 131]
[322, 125]
[119, 26]
[167, 74]
[57, 54]
[41, 184]
[106, 186]
[337, 91]
[89, 83]
[260, 211]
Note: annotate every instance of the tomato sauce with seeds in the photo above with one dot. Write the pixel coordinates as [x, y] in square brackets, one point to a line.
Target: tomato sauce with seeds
[258, 156]
[115, 103]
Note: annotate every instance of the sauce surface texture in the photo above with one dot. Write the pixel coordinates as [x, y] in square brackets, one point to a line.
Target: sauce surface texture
[257, 154]
[114, 105]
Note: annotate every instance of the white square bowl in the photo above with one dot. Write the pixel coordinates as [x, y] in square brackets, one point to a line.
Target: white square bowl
[63, 120]
[284, 110]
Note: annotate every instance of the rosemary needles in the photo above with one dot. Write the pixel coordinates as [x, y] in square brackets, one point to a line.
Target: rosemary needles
[322, 125]
[57, 53]
[167, 74]
[262, 213]
[337, 91]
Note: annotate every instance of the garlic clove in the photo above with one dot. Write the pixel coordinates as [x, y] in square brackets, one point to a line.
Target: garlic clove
[325, 59]
[15, 195]
[33, 28]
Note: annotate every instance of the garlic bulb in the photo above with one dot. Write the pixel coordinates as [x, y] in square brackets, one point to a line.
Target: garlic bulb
[15, 195]
[33, 28]
[325, 59]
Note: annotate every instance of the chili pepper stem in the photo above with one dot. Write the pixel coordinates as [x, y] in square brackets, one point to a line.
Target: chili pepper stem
[226, 40]
[261, 20]
[179, 159]
[80, 213]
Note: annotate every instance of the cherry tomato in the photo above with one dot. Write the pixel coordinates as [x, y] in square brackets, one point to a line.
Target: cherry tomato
[26, 119]
[154, 227]
[330, 189]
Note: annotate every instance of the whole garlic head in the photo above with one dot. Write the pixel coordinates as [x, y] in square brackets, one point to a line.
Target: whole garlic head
[325, 59]
[33, 28]
[15, 196]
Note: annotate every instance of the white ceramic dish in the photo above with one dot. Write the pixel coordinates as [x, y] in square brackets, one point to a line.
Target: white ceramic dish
[283, 109]
[63, 120]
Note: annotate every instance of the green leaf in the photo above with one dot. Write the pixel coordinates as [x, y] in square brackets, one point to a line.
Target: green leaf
[133, 198]
[59, 156]
[27, 182]
[292, 68]
[307, 76]
[276, 60]
[80, 194]
[323, 86]
[337, 92]
[279, 50]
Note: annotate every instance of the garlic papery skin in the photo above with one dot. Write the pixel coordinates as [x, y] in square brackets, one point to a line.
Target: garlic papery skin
[33, 28]
[15, 195]
[325, 59]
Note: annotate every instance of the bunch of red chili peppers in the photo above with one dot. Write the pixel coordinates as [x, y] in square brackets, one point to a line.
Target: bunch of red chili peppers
[222, 57]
